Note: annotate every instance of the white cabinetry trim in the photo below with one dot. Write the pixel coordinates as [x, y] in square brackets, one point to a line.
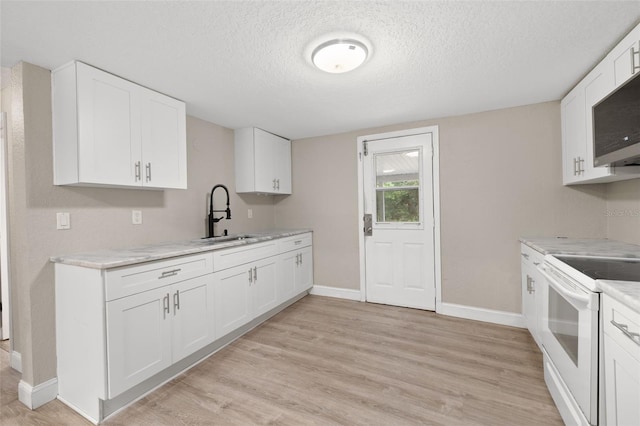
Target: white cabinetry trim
[38, 395]
[481, 314]
[340, 293]
[16, 361]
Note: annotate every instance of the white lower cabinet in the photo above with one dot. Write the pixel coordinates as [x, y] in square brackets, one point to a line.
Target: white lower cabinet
[121, 332]
[243, 293]
[532, 290]
[148, 332]
[621, 363]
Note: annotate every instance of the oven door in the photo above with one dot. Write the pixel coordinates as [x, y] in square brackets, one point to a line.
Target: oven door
[570, 337]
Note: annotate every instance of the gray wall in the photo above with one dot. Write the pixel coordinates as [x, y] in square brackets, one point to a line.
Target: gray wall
[500, 178]
[100, 218]
[623, 211]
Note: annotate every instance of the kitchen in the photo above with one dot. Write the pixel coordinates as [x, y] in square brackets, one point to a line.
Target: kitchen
[488, 201]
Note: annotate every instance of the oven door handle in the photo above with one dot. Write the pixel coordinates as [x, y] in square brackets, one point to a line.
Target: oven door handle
[568, 292]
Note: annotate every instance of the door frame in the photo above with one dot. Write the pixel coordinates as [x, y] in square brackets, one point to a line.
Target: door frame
[6, 330]
[436, 203]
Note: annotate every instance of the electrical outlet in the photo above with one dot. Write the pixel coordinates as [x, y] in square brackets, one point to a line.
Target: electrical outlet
[250, 213]
[63, 220]
[136, 217]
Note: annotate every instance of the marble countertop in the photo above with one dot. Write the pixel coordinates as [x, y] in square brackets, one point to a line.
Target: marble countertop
[114, 258]
[582, 247]
[626, 292]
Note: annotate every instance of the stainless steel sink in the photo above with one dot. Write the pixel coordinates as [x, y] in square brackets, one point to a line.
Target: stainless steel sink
[228, 238]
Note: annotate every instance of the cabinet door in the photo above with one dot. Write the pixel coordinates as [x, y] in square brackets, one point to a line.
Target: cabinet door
[138, 338]
[287, 268]
[626, 57]
[164, 158]
[264, 286]
[232, 294]
[304, 272]
[108, 128]
[265, 145]
[282, 166]
[622, 385]
[192, 311]
[529, 310]
[573, 135]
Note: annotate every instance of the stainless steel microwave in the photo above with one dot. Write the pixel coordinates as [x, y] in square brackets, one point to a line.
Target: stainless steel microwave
[616, 126]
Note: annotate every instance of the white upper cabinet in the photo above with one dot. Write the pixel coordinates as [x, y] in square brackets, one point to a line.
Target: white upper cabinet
[262, 162]
[111, 132]
[626, 57]
[577, 117]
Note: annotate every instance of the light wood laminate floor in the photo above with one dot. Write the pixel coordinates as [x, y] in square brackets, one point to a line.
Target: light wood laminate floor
[330, 361]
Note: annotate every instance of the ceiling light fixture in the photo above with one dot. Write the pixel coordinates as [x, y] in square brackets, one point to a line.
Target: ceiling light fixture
[339, 55]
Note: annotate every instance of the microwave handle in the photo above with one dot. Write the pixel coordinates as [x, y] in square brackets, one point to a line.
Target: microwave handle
[569, 293]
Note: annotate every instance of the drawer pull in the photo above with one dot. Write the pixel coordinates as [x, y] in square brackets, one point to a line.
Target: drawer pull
[298, 242]
[170, 273]
[525, 255]
[624, 328]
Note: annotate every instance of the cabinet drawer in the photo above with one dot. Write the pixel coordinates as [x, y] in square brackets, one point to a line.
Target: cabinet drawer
[626, 319]
[227, 258]
[295, 242]
[530, 257]
[126, 281]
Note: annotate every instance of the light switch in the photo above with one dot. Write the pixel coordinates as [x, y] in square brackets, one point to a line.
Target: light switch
[63, 220]
[136, 217]
[250, 213]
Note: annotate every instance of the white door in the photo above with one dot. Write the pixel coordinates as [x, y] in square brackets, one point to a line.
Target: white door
[264, 286]
[138, 338]
[265, 146]
[304, 270]
[163, 141]
[109, 117]
[287, 265]
[193, 315]
[232, 293]
[398, 194]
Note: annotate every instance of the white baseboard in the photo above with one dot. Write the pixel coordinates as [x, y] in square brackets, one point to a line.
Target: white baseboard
[481, 314]
[340, 293]
[38, 395]
[16, 361]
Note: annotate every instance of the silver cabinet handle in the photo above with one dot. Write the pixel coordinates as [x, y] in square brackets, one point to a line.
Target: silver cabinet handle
[532, 288]
[300, 258]
[165, 306]
[575, 166]
[297, 243]
[176, 301]
[634, 67]
[255, 273]
[148, 169]
[170, 273]
[274, 184]
[137, 170]
[297, 259]
[525, 255]
[581, 166]
[635, 337]
[250, 276]
[278, 184]
[536, 263]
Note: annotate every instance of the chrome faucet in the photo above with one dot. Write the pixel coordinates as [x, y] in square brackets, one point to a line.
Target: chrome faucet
[213, 219]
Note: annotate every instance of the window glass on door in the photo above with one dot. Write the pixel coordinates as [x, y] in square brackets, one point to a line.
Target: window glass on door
[398, 187]
[563, 324]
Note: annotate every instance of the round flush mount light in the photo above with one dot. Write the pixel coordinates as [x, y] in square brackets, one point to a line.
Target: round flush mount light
[339, 55]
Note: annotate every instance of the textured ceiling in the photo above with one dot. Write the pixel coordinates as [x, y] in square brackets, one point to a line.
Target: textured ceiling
[246, 63]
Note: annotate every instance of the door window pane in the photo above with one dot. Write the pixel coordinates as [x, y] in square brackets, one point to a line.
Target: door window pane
[563, 323]
[398, 187]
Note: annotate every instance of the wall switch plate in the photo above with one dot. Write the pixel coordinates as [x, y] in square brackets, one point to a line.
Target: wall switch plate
[136, 217]
[250, 213]
[63, 220]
